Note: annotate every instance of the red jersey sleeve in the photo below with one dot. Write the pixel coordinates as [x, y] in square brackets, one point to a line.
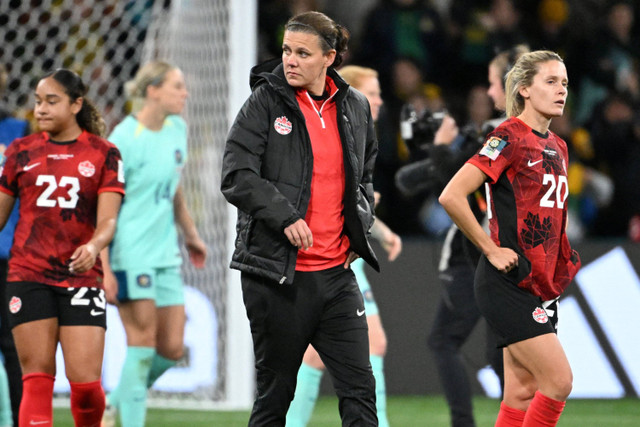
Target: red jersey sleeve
[8, 175]
[112, 177]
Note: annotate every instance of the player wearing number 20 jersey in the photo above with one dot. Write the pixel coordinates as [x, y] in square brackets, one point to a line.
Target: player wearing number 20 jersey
[528, 192]
[58, 185]
[146, 236]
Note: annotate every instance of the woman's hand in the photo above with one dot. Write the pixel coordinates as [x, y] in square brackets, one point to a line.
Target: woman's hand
[110, 287]
[299, 234]
[503, 259]
[83, 258]
[392, 244]
[197, 251]
[352, 256]
[447, 132]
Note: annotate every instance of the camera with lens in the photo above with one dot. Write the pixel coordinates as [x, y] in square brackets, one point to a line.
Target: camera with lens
[418, 130]
[433, 165]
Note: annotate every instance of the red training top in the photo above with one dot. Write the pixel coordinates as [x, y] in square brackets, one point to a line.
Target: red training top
[528, 202]
[324, 215]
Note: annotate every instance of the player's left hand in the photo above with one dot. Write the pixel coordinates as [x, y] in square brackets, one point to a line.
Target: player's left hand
[83, 259]
[110, 287]
[447, 132]
[197, 251]
[350, 258]
[392, 244]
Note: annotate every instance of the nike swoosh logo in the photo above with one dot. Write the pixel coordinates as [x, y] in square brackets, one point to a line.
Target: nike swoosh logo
[96, 312]
[359, 313]
[530, 163]
[26, 168]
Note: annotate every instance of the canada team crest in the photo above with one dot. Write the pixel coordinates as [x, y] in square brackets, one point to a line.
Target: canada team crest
[86, 169]
[15, 305]
[539, 315]
[282, 125]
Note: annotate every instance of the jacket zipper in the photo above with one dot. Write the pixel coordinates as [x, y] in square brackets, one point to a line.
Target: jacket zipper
[319, 112]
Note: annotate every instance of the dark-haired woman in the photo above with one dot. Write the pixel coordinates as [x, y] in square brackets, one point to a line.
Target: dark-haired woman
[298, 166]
[70, 183]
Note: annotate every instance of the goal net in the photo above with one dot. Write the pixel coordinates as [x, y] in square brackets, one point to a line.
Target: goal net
[106, 42]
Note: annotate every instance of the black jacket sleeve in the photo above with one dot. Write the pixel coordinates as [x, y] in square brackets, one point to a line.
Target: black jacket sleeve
[242, 183]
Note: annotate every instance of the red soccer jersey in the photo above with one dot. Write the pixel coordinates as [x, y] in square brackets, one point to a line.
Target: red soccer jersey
[528, 210]
[58, 186]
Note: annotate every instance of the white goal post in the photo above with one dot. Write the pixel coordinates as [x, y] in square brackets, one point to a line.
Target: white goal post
[214, 43]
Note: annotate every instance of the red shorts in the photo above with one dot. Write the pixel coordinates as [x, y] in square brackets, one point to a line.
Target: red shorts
[30, 301]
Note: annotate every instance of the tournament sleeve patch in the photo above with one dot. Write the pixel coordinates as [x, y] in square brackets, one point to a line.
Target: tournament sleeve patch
[493, 147]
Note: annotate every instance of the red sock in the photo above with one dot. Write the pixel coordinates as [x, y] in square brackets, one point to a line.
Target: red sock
[509, 417]
[543, 411]
[36, 407]
[87, 403]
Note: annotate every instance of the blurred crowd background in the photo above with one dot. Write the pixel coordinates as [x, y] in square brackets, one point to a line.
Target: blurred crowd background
[433, 55]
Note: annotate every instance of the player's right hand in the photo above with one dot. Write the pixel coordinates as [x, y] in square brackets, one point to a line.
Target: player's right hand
[503, 259]
[299, 234]
[83, 258]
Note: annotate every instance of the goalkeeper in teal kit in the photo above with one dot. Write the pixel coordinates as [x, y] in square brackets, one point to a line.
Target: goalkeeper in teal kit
[142, 275]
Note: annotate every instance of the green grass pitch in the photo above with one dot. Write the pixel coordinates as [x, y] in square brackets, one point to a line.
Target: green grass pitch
[404, 411]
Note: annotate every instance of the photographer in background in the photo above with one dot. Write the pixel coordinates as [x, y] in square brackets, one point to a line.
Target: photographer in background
[457, 313]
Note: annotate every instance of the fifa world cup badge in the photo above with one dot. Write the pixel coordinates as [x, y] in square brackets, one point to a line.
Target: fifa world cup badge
[493, 147]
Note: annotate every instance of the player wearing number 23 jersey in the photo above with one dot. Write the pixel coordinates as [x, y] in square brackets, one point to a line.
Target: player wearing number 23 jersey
[58, 184]
[146, 235]
[528, 192]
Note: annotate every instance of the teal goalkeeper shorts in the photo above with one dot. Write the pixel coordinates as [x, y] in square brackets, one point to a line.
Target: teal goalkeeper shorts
[370, 306]
[163, 285]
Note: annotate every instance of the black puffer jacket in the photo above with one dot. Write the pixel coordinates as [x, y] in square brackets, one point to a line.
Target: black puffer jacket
[267, 169]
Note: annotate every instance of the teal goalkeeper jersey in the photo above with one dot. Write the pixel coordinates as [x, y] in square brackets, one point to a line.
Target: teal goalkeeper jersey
[146, 234]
